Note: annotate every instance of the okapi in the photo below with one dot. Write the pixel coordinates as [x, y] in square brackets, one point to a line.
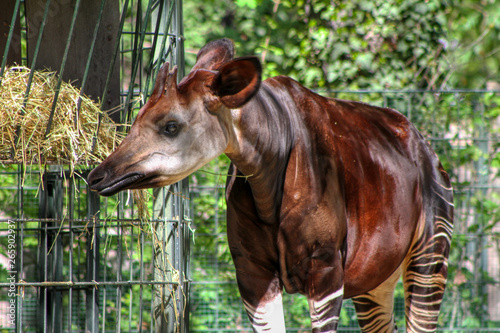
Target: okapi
[329, 198]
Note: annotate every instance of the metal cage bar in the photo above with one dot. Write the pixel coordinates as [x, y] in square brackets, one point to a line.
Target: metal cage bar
[86, 263]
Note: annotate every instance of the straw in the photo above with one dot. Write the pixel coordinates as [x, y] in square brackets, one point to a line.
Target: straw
[70, 140]
[65, 143]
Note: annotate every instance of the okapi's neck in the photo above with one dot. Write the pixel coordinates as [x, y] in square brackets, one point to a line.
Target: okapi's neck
[265, 137]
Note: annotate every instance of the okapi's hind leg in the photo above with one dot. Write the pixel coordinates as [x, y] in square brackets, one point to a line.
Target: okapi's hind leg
[426, 266]
[375, 309]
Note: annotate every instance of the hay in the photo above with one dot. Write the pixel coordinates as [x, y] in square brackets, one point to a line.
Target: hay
[23, 123]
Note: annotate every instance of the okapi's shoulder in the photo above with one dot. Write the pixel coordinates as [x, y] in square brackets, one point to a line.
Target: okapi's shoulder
[293, 88]
[342, 119]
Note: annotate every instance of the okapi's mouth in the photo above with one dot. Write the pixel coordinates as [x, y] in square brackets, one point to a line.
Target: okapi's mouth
[122, 183]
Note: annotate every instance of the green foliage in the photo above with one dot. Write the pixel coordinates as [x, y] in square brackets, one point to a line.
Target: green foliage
[356, 44]
[473, 34]
[359, 44]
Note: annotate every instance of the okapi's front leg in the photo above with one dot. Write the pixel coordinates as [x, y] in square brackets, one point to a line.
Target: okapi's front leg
[325, 294]
[262, 298]
[251, 244]
[325, 312]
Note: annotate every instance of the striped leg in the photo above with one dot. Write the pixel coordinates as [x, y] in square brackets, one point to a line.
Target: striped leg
[262, 299]
[424, 276]
[425, 268]
[325, 312]
[266, 316]
[375, 309]
[325, 290]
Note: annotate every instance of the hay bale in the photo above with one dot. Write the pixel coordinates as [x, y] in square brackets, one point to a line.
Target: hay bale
[23, 123]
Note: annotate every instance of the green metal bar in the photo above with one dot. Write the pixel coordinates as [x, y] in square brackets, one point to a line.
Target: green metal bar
[93, 283]
[179, 31]
[20, 246]
[153, 49]
[110, 72]
[141, 274]
[89, 60]
[136, 55]
[167, 26]
[63, 65]
[155, 70]
[119, 252]
[9, 38]
[32, 72]
[37, 49]
[131, 278]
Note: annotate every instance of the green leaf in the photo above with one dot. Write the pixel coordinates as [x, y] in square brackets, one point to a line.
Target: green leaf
[365, 60]
[252, 4]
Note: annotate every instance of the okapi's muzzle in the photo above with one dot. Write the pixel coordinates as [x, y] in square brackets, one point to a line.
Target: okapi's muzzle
[100, 182]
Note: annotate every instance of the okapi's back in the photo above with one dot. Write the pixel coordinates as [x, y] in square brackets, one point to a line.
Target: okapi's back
[391, 177]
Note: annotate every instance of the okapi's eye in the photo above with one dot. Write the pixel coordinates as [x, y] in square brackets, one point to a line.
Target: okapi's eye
[172, 128]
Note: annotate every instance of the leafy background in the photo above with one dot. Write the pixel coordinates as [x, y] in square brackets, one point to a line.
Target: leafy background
[395, 44]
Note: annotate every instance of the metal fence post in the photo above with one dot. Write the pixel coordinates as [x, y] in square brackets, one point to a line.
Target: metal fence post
[50, 256]
[170, 257]
[481, 244]
[184, 238]
[92, 263]
[164, 312]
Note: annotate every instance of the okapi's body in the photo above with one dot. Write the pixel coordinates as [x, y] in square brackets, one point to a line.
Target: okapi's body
[340, 198]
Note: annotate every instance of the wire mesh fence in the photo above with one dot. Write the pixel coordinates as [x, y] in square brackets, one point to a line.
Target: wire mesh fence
[464, 129]
[70, 261]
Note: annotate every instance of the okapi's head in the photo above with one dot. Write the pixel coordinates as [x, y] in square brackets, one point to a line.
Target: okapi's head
[181, 127]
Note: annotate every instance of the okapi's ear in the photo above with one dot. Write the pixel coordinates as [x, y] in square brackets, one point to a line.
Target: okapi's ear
[237, 81]
[159, 83]
[214, 54]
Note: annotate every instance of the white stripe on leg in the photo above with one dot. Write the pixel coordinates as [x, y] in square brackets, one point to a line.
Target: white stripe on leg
[267, 317]
[321, 316]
